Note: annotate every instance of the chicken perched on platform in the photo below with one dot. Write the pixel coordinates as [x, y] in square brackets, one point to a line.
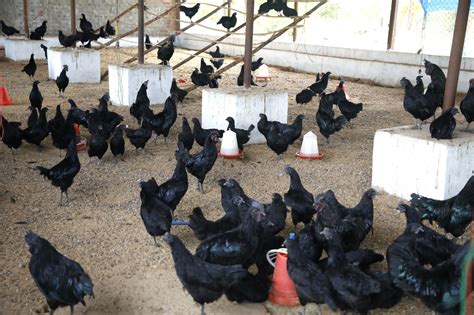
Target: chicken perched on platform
[420, 106]
[66, 41]
[228, 22]
[443, 126]
[467, 104]
[190, 11]
[166, 51]
[9, 30]
[39, 32]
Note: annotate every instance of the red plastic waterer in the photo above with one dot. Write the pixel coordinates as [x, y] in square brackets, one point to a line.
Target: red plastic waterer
[283, 291]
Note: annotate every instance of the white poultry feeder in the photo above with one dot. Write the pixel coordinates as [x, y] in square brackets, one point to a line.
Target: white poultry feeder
[229, 146]
[309, 147]
[263, 73]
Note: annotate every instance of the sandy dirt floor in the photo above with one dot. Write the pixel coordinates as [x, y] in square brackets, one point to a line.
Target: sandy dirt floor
[101, 226]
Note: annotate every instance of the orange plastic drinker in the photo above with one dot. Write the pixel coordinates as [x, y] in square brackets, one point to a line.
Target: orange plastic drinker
[4, 98]
[283, 291]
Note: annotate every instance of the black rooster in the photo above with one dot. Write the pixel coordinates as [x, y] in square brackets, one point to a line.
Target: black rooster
[61, 280]
[141, 105]
[298, 199]
[205, 282]
[62, 130]
[98, 143]
[191, 11]
[228, 22]
[84, 24]
[62, 174]
[79, 116]
[347, 108]
[454, 214]
[36, 98]
[38, 131]
[243, 136]
[467, 104]
[204, 228]
[180, 93]
[30, 68]
[319, 86]
[39, 32]
[62, 81]
[420, 106]
[166, 51]
[443, 126]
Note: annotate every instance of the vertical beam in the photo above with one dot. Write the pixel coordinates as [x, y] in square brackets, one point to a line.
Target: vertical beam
[392, 25]
[248, 44]
[229, 8]
[141, 31]
[457, 46]
[73, 16]
[295, 30]
[25, 18]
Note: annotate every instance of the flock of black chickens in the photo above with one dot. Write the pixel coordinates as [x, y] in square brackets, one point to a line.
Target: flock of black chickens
[421, 262]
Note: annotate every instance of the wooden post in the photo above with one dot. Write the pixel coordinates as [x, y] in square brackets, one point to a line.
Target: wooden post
[392, 25]
[25, 18]
[457, 46]
[73, 16]
[248, 44]
[141, 31]
[229, 8]
[295, 30]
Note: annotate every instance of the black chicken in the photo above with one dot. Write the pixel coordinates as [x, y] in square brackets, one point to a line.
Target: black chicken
[166, 51]
[9, 30]
[38, 131]
[217, 63]
[98, 143]
[169, 115]
[289, 12]
[419, 86]
[30, 68]
[252, 288]
[298, 199]
[156, 214]
[205, 68]
[62, 130]
[62, 81]
[33, 117]
[438, 78]
[243, 136]
[265, 7]
[45, 49]
[204, 228]
[418, 105]
[454, 214]
[200, 134]
[191, 11]
[66, 41]
[329, 125]
[304, 97]
[109, 28]
[233, 198]
[173, 190]
[79, 116]
[148, 43]
[84, 24]
[348, 109]
[319, 86]
[443, 126]
[36, 98]
[138, 137]
[228, 22]
[200, 79]
[217, 53]
[117, 143]
[201, 163]
[11, 134]
[240, 78]
[256, 64]
[186, 136]
[275, 217]
[236, 246]
[205, 282]
[311, 284]
[467, 104]
[310, 243]
[279, 135]
[62, 174]
[61, 280]
[180, 93]
[39, 32]
[142, 103]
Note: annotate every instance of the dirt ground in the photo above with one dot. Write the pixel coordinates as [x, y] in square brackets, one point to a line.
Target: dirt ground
[101, 227]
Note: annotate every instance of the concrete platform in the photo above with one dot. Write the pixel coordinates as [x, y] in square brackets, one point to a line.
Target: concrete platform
[245, 106]
[125, 81]
[19, 49]
[407, 161]
[83, 63]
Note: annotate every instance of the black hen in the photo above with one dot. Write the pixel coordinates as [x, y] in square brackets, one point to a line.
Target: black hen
[98, 144]
[275, 217]
[279, 135]
[84, 24]
[109, 28]
[233, 198]
[11, 134]
[454, 214]
[141, 105]
[419, 86]
[172, 191]
[200, 79]
[289, 12]
[33, 117]
[305, 96]
[205, 68]
[62, 174]
[30, 68]
[45, 49]
[156, 214]
[204, 281]
[204, 228]
[138, 137]
[243, 136]
[200, 134]
[256, 64]
[79, 116]
[240, 78]
[201, 163]
[61, 280]
[265, 7]
[169, 115]
[418, 105]
[180, 93]
[236, 246]
[66, 41]
[39, 32]
[36, 98]
[38, 131]
[9, 30]
[252, 288]
[186, 136]
[319, 86]
[217, 63]
[148, 43]
[217, 53]
[298, 199]
[117, 143]
[166, 51]
[191, 11]
[62, 81]
[311, 284]
[62, 130]
[228, 21]
[443, 126]
[467, 104]
[328, 125]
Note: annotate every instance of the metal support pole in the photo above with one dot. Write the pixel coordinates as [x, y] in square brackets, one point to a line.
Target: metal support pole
[25, 18]
[141, 31]
[457, 46]
[392, 25]
[248, 44]
[73, 16]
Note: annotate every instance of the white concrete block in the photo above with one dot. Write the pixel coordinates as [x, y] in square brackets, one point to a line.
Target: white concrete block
[245, 106]
[18, 49]
[407, 161]
[83, 63]
[125, 81]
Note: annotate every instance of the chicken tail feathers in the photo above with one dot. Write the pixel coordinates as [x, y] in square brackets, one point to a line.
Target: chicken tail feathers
[198, 223]
[424, 207]
[43, 170]
[251, 127]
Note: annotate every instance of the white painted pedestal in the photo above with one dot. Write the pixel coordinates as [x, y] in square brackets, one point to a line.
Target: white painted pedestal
[407, 161]
[83, 63]
[125, 81]
[18, 49]
[245, 106]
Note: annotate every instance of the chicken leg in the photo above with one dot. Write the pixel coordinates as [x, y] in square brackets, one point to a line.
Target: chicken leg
[202, 309]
